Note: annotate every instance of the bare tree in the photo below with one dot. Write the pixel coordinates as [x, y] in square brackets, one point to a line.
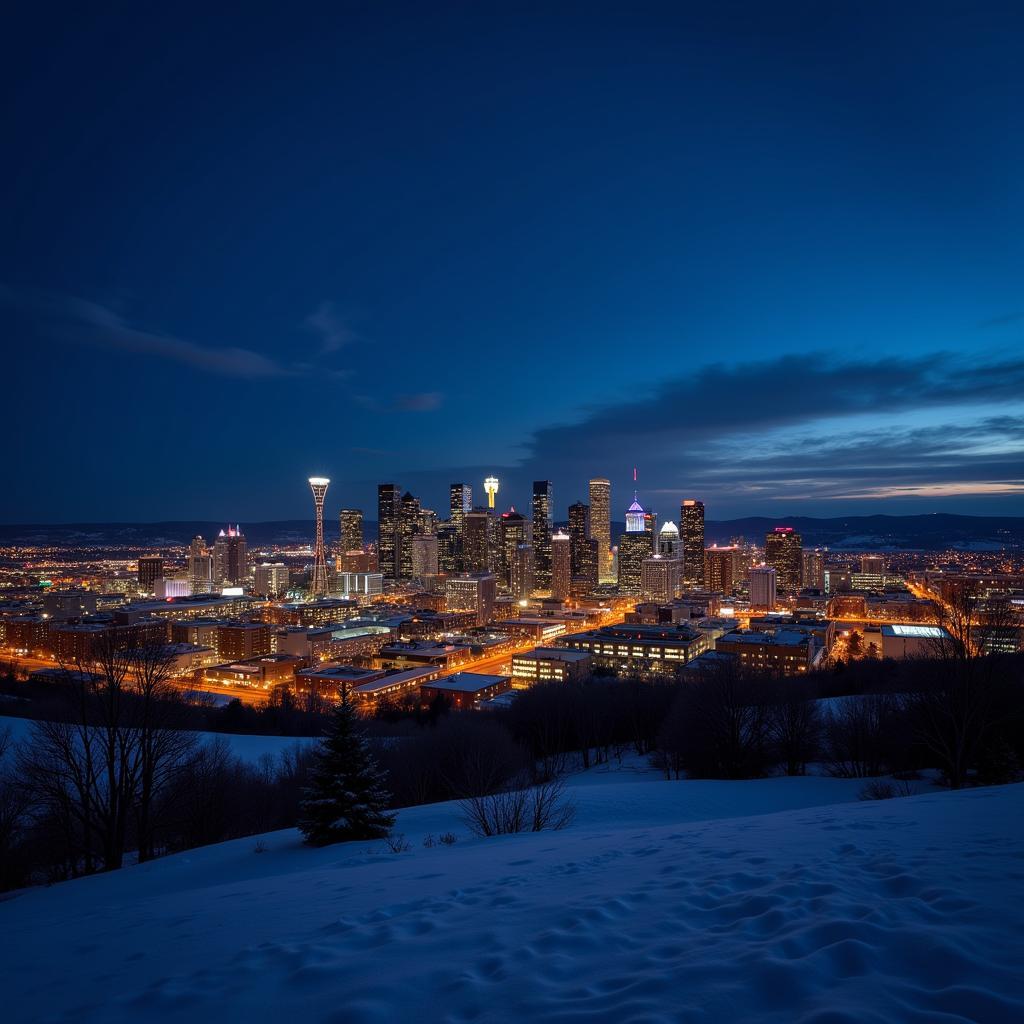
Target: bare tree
[794, 727]
[958, 700]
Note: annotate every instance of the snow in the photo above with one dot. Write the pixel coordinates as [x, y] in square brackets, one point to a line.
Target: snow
[777, 900]
[245, 746]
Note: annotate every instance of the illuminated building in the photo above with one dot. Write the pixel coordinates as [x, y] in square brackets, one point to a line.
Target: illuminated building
[270, 579]
[151, 568]
[721, 569]
[561, 566]
[491, 490]
[542, 511]
[408, 525]
[583, 548]
[813, 569]
[389, 505]
[668, 540]
[659, 578]
[763, 587]
[461, 499]
[549, 665]
[360, 585]
[424, 556]
[473, 592]
[784, 652]
[783, 552]
[175, 586]
[514, 530]
[480, 541]
[601, 527]
[200, 567]
[243, 639]
[318, 585]
[449, 548]
[465, 690]
[350, 526]
[635, 546]
[521, 575]
[230, 561]
[645, 651]
[691, 532]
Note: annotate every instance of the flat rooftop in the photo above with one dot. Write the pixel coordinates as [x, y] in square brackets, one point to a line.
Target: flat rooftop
[468, 682]
[553, 654]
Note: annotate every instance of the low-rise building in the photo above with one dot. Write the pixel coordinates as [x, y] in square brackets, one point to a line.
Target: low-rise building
[465, 690]
[549, 665]
[635, 649]
[263, 673]
[911, 640]
[782, 652]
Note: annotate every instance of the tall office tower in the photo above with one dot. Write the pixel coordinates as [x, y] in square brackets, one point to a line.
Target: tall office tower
[408, 525]
[270, 579]
[449, 548]
[350, 524]
[318, 584]
[230, 562]
[601, 526]
[461, 504]
[200, 567]
[668, 541]
[762, 587]
[151, 569]
[561, 566]
[424, 555]
[477, 541]
[389, 507]
[635, 545]
[721, 568]
[813, 576]
[579, 535]
[521, 578]
[783, 552]
[471, 591]
[691, 532]
[514, 529]
[543, 506]
[659, 578]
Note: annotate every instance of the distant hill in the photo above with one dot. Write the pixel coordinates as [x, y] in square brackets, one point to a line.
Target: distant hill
[933, 532]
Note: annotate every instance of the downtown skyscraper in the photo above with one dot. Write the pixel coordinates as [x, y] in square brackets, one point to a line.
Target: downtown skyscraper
[461, 504]
[691, 535]
[601, 526]
[542, 509]
[389, 504]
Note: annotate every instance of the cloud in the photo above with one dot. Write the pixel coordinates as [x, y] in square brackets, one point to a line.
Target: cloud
[77, 321]
[424, 401]
[334, 332]
[805, 428]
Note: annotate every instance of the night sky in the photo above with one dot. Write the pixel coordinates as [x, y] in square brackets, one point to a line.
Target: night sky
[771, 254]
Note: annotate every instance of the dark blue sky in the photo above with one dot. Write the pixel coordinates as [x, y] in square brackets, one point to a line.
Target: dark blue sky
[772, 254]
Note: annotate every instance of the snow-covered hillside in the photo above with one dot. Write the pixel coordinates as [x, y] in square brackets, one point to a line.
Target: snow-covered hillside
[778, 900]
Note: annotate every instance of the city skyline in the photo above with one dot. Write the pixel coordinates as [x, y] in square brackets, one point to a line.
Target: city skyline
[767, 259]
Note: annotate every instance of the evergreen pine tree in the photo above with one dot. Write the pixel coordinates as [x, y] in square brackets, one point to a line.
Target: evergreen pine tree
[346, 798]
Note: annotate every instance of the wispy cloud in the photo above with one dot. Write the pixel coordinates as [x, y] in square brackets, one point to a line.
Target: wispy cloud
[77, 321]
[423, 401]
[332, 328]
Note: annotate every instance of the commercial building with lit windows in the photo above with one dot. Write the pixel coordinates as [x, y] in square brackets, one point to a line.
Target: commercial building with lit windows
[633, 649]
[549, 665]
[780, 653]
